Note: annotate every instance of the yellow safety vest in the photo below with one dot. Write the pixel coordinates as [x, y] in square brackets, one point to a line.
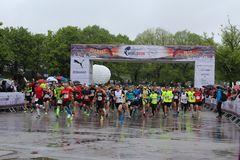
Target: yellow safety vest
[191, 97]
[154, 98]
[167, 97]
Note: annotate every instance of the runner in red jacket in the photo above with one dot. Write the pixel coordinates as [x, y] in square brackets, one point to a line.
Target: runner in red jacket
[77, 98]
[199, 97]
[66, 95]
[38, 91]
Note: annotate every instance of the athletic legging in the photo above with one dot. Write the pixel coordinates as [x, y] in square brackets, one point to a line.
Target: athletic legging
[154, 107]
[184, 107]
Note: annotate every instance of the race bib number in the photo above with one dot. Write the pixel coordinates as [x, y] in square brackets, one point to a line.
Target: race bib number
[129, 102]
[167, 98]
[99, 98]
[59, 101]
[154, 100]
[65, 96]
[28, 94]
[36, 99]
[46, 96]
[198, 97]
[184, 100]
[175, 97]
[119, 99]
[85, 97]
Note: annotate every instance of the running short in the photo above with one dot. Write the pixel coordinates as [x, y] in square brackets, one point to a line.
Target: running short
[46, 99]
[86, 103]
[28, 98]
[78, 100]
[176, 100]
[183, 104]
[168, 104]
[39, 101]
[66, 103]
[91, 98]
[193, 103]
[198, 103]
[135, 103]
[154, 106]
[118, 104]
[100, 104]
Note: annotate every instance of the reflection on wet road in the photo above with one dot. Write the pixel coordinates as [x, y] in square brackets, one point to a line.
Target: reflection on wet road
[25, 137]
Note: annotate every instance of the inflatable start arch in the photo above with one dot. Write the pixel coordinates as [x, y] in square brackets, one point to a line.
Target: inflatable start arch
[83, 55]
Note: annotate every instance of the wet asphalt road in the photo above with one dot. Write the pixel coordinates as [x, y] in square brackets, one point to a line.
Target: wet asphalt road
[184, 138]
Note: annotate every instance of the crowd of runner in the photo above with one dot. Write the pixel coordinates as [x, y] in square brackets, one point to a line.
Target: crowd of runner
[103, 100]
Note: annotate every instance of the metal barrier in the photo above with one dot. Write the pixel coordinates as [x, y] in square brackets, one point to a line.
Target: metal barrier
[11, 101]
[231, 109]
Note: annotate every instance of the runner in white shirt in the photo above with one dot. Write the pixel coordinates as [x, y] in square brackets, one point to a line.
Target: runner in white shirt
[184, 101]
[119, 99]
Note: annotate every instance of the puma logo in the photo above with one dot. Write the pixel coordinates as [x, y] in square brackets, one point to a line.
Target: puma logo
[126, 50]
[80, 63]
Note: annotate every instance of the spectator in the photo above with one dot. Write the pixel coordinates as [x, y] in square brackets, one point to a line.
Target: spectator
[219, 102]
[4, 86]
[7, 86]
[236, 86]
[234, 94]
[229, 93]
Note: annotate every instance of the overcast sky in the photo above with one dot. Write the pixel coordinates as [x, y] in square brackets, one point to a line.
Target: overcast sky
[128, 17]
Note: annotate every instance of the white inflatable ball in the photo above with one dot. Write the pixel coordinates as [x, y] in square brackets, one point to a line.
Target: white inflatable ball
[101, 74]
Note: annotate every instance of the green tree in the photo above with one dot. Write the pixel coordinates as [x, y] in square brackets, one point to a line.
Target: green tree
[228, 54]
[58, 49]
[170, 72]
[96, 35]
[154, 36]
[18, 42]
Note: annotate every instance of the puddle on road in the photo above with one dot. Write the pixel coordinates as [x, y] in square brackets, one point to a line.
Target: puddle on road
[71, 141]
[43, 158]
[61, 133]
[55, 145]
[37, 158]
[225, 153]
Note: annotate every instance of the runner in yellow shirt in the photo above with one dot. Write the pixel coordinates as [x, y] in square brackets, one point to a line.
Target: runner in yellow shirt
[167, 99]
[191, 99]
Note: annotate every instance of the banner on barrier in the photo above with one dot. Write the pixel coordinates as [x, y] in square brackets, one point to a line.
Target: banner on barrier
[11, 98]
[230, 106]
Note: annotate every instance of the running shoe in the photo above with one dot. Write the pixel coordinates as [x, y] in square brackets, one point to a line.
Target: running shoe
[68, 116]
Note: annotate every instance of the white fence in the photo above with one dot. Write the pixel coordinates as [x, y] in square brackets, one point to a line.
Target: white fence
[11, 99]
[229, 106]
[232, 106]
[231, 109]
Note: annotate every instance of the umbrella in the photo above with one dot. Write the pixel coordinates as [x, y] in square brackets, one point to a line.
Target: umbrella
[61, 78]
[209, 86]
[76, 82]
[52, 79]
[8, 82]
[221, 87]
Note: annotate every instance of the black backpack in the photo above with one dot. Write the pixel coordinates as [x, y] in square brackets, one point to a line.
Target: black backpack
[224, 97]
